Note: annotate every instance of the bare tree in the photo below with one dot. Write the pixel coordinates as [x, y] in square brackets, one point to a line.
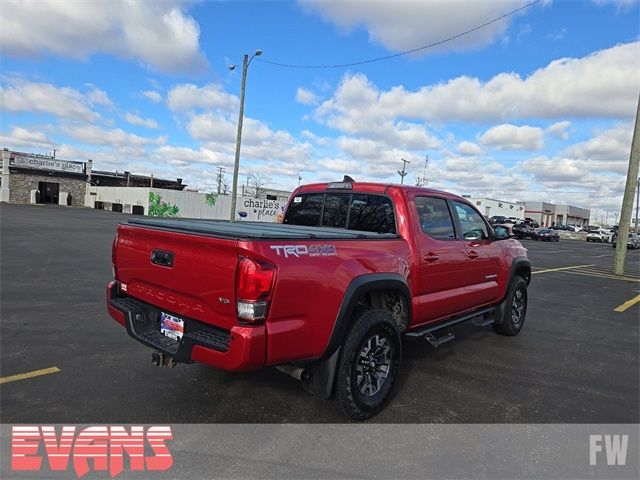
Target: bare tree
[255, 184]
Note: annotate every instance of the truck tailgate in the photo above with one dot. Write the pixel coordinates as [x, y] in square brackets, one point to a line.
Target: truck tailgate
[187, 275]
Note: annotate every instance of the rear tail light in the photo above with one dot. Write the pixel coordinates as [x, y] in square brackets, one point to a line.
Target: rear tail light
[254, 283]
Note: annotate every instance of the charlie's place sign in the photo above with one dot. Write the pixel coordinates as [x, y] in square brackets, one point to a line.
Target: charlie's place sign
[24, 160]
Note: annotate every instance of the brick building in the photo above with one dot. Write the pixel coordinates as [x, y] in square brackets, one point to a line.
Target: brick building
[33, 178]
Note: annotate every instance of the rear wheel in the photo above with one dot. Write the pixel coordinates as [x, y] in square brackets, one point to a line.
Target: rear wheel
[516, 308]
[368, 365]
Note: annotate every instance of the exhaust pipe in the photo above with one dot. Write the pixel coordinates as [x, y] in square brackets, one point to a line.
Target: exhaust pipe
[160, 359]
[298, 373]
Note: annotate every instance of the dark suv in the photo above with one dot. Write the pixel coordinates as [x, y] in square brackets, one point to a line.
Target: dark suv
[524, 230]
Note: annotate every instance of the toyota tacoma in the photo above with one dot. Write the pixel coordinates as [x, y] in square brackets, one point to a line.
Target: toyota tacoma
[328, 294]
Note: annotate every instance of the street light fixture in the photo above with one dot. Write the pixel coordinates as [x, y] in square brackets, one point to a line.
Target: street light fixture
[245, 65]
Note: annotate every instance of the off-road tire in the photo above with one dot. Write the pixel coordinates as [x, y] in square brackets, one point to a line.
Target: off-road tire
[516, 301]
[349, 396]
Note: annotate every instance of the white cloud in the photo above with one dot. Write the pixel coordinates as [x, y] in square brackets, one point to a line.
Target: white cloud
[94, 135]
[22, 137]
[99, 97]
[469, 148]
[603, 84]
[259, 142]
[185, 156]
[513, 137]
[407, 24]
[316, 139]
[211, 127]
[189, 97]
[134, 119]
[24, 96]
[152, 95]
[545, 169]
[607, 151]
[306, 97]
[559, 129]
[339, 165]
[357, 107]
[158, 34]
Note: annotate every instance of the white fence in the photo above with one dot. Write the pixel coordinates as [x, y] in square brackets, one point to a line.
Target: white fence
[176, 203]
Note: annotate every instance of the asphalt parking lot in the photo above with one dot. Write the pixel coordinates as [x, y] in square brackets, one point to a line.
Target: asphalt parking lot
[576, 361]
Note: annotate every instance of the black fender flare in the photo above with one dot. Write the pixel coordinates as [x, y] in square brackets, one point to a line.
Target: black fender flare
[518, 263]
[322, 372]
[359, 287]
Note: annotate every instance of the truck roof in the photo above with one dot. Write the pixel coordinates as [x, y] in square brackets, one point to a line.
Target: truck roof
[374, 187]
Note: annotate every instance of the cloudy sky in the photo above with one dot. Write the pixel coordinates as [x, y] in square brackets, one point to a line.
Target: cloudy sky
[536, 106]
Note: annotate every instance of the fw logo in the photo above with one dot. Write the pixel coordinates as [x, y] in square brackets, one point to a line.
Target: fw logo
[615, 448]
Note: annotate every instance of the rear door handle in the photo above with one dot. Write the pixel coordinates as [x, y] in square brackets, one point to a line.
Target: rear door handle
[430, 257]
[473, 254]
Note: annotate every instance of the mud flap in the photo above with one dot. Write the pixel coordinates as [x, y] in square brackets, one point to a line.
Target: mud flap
[321, 378]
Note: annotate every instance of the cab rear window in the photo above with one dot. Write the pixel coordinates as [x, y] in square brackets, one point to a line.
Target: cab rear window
[357, 211]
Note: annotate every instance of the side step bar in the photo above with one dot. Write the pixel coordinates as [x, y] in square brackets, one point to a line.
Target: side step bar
[435, 342]
[481, 318]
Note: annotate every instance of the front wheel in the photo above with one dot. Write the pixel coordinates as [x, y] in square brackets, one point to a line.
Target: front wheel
[369, 365]
[516, 308]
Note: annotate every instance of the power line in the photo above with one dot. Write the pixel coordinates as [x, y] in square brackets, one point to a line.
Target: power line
[406, 52]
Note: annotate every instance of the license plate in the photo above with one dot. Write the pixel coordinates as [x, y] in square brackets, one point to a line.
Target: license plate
[172, 327]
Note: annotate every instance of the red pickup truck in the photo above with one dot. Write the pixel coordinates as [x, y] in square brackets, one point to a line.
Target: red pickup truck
[325, 296]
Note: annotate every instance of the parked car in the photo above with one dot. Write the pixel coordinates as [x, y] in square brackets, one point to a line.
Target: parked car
[498, 219]
[531, 223]
[600, 236]
[548, 235]
[327, 295]
[633, 241]
[524, 230]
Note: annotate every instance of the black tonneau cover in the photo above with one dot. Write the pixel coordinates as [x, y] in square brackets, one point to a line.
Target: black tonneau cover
[255, 230]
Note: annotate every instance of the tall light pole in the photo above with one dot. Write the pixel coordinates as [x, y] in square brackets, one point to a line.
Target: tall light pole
[637, 203]
[245, 65]
[627, 199]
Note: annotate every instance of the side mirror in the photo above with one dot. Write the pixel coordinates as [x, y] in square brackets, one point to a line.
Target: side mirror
[501, 232]
[473, 235]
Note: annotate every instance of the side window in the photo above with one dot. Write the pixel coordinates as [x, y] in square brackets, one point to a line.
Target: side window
[335, 211]
[473, 227]
[371, 213]
[435, 219]
[305, 210]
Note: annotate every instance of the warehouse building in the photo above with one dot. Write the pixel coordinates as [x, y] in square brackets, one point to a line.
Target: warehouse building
[490, 207]
[549, 214]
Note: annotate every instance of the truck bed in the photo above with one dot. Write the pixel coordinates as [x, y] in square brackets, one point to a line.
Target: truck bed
[255, 230]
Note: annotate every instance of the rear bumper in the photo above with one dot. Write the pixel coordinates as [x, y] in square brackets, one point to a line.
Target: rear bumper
[241, 348]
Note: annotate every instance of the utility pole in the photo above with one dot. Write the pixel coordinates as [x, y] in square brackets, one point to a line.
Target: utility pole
[234, 191]
[220, 173]
[300, 179]
[637, 203]
[54, 153]
[403, 173]
[424, 177]
[627, 200]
